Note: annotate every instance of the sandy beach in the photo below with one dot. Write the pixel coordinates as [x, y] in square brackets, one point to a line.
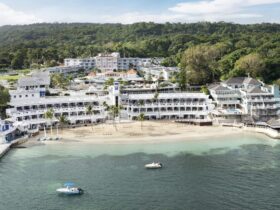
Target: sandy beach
[151, 132]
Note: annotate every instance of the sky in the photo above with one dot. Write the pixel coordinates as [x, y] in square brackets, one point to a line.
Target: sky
[130, 11]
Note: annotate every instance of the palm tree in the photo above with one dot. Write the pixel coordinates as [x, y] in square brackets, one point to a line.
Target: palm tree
[106, 106]
[141, 104]
[89, 111]
[114, 111]
[155, 98]
[49, 114]
[63, 121]
[141, 118]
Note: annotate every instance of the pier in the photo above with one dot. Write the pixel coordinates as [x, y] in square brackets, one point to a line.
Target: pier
[4, 148]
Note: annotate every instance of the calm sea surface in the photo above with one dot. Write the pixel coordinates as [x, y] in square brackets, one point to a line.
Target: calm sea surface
[238, 172]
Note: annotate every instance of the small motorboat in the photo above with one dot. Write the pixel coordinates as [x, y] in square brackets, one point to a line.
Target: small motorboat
[69, 189]
[153, 165]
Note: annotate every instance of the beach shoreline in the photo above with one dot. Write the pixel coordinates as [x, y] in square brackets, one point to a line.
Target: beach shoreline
[131, 132]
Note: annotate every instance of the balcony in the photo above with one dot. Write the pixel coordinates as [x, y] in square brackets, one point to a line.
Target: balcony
[151, 105]
[264, 107]
[179, 113]
[24, 113]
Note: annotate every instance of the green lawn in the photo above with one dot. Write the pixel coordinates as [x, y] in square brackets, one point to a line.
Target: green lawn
[9, 78]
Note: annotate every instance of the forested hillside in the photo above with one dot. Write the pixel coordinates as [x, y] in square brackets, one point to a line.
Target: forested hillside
[206, 52]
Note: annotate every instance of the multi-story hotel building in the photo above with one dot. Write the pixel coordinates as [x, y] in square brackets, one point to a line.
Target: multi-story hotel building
[248, 96]
[260, 102]
[172, 105]
[29, 105]
[110, 62]
[225, 97]
[84, 63]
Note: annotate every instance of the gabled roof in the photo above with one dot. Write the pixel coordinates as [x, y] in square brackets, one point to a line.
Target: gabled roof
[255, 90]
[251, 81]
[219, 87]
[40, 78]
[235, 80]
[243, 80]
[211, 86]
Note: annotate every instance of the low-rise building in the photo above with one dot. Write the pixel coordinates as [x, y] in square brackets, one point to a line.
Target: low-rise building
[74, 107]
[189, 106]
[62, 69]
[158, 72]
[110, 62]
[260, 103]
[8, 132]
[249, 95]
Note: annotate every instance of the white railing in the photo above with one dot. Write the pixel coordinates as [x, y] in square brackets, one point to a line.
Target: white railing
[165, 105]
[169, 113]
[23, 113]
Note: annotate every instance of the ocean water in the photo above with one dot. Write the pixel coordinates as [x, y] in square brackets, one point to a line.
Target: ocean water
[237, 172]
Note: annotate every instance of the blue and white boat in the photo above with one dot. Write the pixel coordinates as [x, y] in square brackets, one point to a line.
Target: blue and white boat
[69, 189]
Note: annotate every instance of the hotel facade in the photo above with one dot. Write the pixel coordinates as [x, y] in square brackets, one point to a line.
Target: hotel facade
[29, 103]
[110, 62]
[247, 96]
[168, 106]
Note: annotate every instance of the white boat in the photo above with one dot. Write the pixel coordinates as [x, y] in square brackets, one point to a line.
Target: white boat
[69, 189]
[153, 165]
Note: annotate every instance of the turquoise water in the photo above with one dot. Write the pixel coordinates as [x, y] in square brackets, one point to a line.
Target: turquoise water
[238, 172]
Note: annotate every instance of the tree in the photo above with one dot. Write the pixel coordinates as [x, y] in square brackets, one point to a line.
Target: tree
[108, 82]
[204, 90]
[63, 121]
[90, 111]
[59, 81]
[18, 60]
[182, 79]
[114, 111]
[141, 118]
[49, 115]
[155, 99]
[141, 104]
[222, 45]
[4, 100]
[252, 64]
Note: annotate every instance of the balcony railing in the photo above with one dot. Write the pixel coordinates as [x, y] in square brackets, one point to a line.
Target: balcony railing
[31, 112]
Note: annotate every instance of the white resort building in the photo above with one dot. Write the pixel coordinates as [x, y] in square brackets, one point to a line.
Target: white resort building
[158, 72]
[29, 105]
[246, 96]
[235, 98]
[170, 106]
[9, 132]
[110, 62]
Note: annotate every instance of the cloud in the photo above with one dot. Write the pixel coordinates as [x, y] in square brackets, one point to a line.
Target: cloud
[133, 17]
[203, 10]
[241, 11]
[217, 10]
[218, 6]
[9, 16]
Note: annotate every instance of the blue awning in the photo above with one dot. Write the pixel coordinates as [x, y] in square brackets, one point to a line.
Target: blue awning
[69, 184]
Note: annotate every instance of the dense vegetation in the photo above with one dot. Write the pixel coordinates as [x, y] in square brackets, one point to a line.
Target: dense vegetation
[206, 52]
[4, 100]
